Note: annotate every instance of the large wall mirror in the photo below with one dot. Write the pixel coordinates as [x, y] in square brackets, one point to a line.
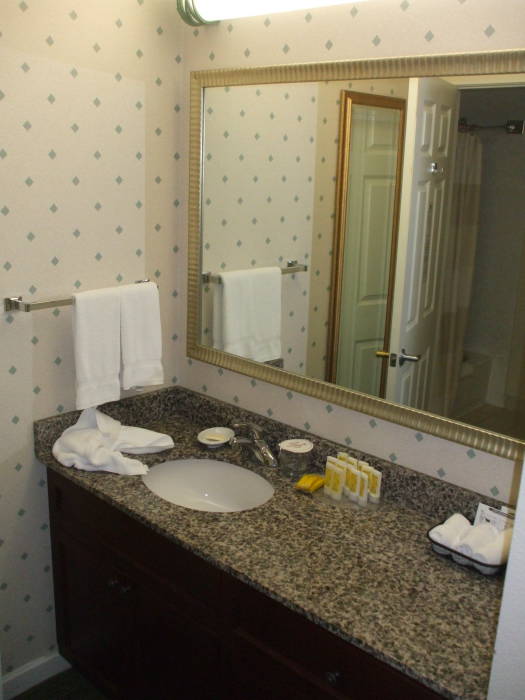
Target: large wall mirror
[356, 234]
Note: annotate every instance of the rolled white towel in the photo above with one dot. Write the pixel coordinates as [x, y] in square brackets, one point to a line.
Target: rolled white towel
[496, 551]
[451, 531]
[95, 442]
[476, 537]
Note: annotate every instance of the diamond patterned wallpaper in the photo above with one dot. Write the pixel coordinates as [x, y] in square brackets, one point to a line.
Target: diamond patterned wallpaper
[89, 113]
[93, 156]
[259, 192]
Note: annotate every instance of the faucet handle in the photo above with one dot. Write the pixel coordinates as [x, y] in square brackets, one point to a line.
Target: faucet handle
[255, 430]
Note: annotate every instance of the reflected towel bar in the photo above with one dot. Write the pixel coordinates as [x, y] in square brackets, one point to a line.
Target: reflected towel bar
[291, 267]
[17, 303]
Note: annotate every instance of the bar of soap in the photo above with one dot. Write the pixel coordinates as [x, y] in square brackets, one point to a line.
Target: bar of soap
[310, 483]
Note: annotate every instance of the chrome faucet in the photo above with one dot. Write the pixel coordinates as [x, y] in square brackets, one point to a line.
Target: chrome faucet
[256, 442]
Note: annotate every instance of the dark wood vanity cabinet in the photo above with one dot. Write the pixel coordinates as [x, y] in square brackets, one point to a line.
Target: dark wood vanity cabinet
[145, 619]
[136, 614]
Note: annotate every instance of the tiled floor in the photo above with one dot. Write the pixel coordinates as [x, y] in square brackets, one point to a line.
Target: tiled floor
[69, 685]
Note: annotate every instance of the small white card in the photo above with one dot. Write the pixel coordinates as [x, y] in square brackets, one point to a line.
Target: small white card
[500, 519]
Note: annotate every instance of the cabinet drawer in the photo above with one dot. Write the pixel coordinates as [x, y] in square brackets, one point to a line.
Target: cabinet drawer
[199, 586]
[260, 673]
[350, 671]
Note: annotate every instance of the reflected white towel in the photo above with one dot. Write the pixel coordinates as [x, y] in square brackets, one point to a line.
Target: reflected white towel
[140, 335]
[96, 337]
[451, 531]
[247, 313]
[95, 441]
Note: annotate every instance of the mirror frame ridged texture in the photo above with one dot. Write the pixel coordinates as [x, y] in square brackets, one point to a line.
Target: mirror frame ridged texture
[490, 63]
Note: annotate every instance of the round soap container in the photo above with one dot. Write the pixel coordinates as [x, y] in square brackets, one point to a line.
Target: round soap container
[294, 457]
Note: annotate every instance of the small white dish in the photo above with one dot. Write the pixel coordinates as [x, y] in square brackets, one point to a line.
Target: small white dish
[215, 437]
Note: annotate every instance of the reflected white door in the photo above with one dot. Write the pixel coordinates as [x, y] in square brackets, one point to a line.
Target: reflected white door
[429, 146]
[373, 162]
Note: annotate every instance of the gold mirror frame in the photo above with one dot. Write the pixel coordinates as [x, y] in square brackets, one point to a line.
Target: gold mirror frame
[490, 63]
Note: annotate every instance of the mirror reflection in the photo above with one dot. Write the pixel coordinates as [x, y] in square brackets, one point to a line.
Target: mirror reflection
[323, 256]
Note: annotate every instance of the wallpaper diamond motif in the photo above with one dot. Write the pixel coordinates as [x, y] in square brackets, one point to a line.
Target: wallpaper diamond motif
[94, 113]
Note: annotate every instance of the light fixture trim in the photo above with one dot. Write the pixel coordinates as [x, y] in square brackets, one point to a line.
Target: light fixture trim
[201, 12]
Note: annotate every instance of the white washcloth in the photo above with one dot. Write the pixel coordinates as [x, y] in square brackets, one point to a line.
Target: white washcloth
[496, 551]
[140, 335]
[95, 441]
[96, 336]
[247, 313]
[478, 536]
[451, 531]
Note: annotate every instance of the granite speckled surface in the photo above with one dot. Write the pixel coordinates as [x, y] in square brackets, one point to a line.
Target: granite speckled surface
[366, 574]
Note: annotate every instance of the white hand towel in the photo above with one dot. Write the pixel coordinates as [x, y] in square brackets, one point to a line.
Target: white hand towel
[140, 335]
[496, 551]
[451, 531]
[96, 339]
[476, 537]
[95, 441]
[247, 313]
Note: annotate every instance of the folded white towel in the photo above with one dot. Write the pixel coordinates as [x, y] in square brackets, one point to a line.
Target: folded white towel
[95, 441]
[96, 336]
[140, 335]
[451, 531]
[476, 537]
[247, 313]
[496, 551]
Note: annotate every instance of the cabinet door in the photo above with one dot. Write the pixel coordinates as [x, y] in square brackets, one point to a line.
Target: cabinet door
[96, 603]
[319, 663]
[179, 657]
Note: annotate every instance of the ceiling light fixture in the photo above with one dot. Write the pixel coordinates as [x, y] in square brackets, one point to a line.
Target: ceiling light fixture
[198, 12]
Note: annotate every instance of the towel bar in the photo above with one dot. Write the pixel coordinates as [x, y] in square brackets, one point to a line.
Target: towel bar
[18, 304]
[291, 267]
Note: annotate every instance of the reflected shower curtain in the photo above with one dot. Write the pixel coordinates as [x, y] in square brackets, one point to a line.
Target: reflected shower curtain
[459, 270]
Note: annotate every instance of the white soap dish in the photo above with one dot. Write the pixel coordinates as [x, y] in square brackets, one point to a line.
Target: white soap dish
[215, 437]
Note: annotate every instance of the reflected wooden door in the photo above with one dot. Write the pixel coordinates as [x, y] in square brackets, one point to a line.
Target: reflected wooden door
[369, 185]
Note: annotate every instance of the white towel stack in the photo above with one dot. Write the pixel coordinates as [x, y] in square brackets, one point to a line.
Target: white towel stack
[96, 440]
[484, 543]
[247, 313]
[113, 325]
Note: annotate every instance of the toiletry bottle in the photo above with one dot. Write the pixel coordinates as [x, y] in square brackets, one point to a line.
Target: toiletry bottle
[374, 485]
[363, 489]
[352, 483]
[334, 479]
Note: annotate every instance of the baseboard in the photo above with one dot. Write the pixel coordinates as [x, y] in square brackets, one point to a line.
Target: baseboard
[33, 673]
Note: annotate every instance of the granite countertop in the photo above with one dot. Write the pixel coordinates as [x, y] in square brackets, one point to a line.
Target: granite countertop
[376, 584]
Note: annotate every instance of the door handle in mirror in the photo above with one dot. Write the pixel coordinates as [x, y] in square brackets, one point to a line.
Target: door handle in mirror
[404, 357]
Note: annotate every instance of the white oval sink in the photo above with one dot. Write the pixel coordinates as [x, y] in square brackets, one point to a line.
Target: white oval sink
[209, 485]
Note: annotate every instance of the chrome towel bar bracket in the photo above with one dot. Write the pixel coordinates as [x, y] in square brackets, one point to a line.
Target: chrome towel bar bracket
[291, 267]
[18, 304]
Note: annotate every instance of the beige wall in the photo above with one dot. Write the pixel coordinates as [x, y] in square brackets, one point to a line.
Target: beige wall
[90, 108]
[122, 50]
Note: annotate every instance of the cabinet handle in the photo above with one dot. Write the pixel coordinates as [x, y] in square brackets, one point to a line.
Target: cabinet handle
[333, 677]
